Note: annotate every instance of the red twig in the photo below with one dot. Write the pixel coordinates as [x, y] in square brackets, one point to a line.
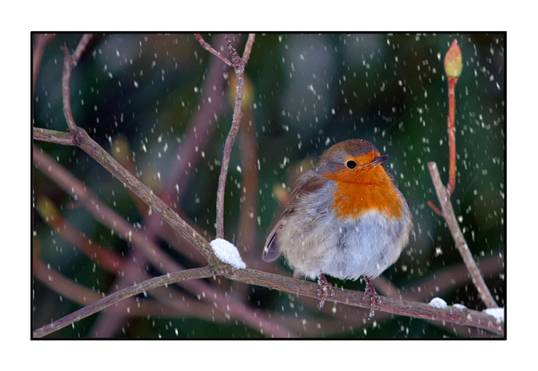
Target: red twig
[453, 66]
[451, 186]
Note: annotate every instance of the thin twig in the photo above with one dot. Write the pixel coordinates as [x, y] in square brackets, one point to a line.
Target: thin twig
[452, 65]
[135, 289]
[451, 130]
[238, 64]
[212, 50]
[70, 62]
[248, 47]
[457, 235]
[82, 295]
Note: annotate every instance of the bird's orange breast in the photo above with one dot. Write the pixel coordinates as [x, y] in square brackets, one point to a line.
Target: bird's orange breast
[371, 190]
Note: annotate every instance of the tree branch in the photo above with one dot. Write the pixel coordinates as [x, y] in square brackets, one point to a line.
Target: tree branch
[135, 289]
[80, 138]
[292, 286]
[212, 50]
[238, 64]
[450, 218]
[224, 303]
[70, 62]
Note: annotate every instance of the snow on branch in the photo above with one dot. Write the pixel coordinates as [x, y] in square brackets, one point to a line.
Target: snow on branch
[227, 253]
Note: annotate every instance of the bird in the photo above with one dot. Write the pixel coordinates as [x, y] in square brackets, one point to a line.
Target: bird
[345, 218]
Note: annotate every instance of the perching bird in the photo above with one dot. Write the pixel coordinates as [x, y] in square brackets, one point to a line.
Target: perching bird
[345, 218]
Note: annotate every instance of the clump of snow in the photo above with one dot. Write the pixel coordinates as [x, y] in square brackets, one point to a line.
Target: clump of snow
[459, 306]
[227, 253]
[498, 313]
[438, 303]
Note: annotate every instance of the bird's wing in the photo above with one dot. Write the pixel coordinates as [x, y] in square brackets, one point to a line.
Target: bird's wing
[309, 183]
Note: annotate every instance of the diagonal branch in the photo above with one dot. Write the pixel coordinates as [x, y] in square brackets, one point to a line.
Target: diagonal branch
[448, 214]
[80, 138]
[135, 289]
[230, 306]
[212, 50]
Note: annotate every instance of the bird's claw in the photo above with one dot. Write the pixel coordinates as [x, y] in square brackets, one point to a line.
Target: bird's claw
[372, 295]
[325, 290]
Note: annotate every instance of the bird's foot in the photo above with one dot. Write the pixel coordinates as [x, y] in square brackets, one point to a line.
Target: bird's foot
[372, 295]
[325, 290]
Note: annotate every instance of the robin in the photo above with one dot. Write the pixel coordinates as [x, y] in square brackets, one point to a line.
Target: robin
[345, 218]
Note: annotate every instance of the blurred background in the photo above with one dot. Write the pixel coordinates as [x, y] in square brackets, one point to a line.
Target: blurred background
[162, 106]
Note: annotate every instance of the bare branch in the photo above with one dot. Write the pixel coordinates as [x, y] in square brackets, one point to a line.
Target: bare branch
[292, 286]
[248, 47]
[239, 68]
[53, 136]
[152, 252]
[83, 295]
[82, 140]
[359, 299]
[135, 289]
[451, 131]
[81, 47]
[212, 50]
[70, 61]
[457, 235]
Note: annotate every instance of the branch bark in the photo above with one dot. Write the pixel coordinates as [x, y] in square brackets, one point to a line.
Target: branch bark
[238, 64]
[70, 62]
[160, 260]
[137, 288]
[450, 218]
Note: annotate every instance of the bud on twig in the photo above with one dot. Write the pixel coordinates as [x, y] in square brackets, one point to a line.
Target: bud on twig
[453, 62]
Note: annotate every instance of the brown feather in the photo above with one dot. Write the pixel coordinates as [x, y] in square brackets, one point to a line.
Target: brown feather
[309, 183]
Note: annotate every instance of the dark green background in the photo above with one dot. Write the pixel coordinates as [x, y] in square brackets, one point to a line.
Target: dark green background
[387, 88]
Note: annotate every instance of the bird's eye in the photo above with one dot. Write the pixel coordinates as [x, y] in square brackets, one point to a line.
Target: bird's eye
[351, 164]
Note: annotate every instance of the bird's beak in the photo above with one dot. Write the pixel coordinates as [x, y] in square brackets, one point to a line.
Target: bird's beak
[379, 160]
